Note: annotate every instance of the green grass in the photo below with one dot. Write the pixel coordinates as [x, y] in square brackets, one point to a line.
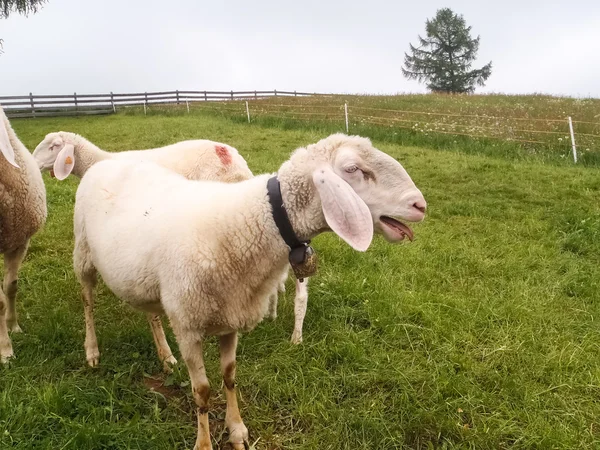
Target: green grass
[481, 334]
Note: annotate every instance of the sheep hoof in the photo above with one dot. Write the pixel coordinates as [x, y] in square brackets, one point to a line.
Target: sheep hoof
[7, 358]
[238, 436]
[240, 445]
[93, 360]
[14, 327]
[168, 364]
[296, 338]
[203, 447]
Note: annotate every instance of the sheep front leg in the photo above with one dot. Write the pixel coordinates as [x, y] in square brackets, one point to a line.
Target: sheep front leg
[238, 433]
[6, 351]
[300, 303]
[190, 346]
[12, 263]
[162, 346]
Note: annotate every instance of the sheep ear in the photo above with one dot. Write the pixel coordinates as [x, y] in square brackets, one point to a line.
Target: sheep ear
[345, 212]
[65, 161]
[5, 147]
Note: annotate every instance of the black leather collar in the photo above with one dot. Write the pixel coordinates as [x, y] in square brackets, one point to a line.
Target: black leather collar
[281, 218]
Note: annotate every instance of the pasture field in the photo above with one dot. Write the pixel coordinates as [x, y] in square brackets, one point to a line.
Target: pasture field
[481, 334]
[517, 127]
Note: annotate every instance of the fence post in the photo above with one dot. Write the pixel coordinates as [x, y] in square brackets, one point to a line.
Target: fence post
[112, 101]
[275, 92]
[177, 94]
[205, 98]
[573, 140]
[248, 111]
[32, 104]
[255, 96]
[295, 95]
[231, 95]
[75, 99]
[187, 103]
[346, 113]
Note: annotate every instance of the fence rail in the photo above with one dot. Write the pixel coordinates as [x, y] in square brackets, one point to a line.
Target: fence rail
[84, 104]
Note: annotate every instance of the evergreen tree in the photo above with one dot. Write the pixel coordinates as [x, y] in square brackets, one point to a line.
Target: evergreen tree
[444, 58]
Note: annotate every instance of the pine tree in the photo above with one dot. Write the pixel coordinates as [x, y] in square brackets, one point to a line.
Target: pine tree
[444, 58]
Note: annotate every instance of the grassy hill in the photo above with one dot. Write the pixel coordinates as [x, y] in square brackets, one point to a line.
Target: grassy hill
[480, 334]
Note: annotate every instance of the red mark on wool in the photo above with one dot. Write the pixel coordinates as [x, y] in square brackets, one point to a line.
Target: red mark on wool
[223, 154]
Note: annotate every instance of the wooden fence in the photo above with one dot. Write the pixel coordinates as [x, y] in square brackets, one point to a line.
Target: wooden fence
[85, 104]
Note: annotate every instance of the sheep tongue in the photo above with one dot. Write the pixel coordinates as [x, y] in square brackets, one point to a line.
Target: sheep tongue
[399, 226]
[52, 173]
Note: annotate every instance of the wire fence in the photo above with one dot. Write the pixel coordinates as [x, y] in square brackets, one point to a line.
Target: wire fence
[553, 133]
[563, 134]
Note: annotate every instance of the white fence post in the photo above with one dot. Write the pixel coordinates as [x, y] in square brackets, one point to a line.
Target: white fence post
[112, 101]
[346, 112]
[187, 103]
[248, 111]
[573, 140]
[144, 108]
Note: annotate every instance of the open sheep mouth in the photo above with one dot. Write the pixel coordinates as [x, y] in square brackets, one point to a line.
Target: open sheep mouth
[397, 228]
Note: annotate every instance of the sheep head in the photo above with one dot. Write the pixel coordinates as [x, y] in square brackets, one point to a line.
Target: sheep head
[56, 155]
[359, 190]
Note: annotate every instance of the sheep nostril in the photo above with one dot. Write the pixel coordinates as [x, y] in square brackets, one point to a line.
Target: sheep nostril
[420, 205]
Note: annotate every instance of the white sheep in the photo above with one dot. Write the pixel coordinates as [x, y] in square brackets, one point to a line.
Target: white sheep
[209, 254]
[64, 153]
[23, 212]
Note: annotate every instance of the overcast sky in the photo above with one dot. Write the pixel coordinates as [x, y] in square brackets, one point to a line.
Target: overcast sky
[306, 45]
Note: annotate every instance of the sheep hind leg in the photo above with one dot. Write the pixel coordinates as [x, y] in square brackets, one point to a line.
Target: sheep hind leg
[274, 297]
[88, 278]
[272, 312]
[190, 346]
[12, 263]
[6, 351]
[88, 283]
[162, 346]
[300, 303]
[238, 433]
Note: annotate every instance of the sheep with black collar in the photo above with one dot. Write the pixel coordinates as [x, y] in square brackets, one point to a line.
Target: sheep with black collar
[208, 254]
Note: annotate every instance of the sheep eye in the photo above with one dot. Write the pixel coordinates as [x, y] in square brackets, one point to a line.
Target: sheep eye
[351, 169]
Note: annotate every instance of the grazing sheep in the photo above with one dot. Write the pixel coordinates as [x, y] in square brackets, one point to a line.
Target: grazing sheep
[22, 213]
[65, 153]
[209, 254]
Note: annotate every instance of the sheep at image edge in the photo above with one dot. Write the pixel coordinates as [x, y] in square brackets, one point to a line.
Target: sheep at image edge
[23, 212]
[209, 254]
